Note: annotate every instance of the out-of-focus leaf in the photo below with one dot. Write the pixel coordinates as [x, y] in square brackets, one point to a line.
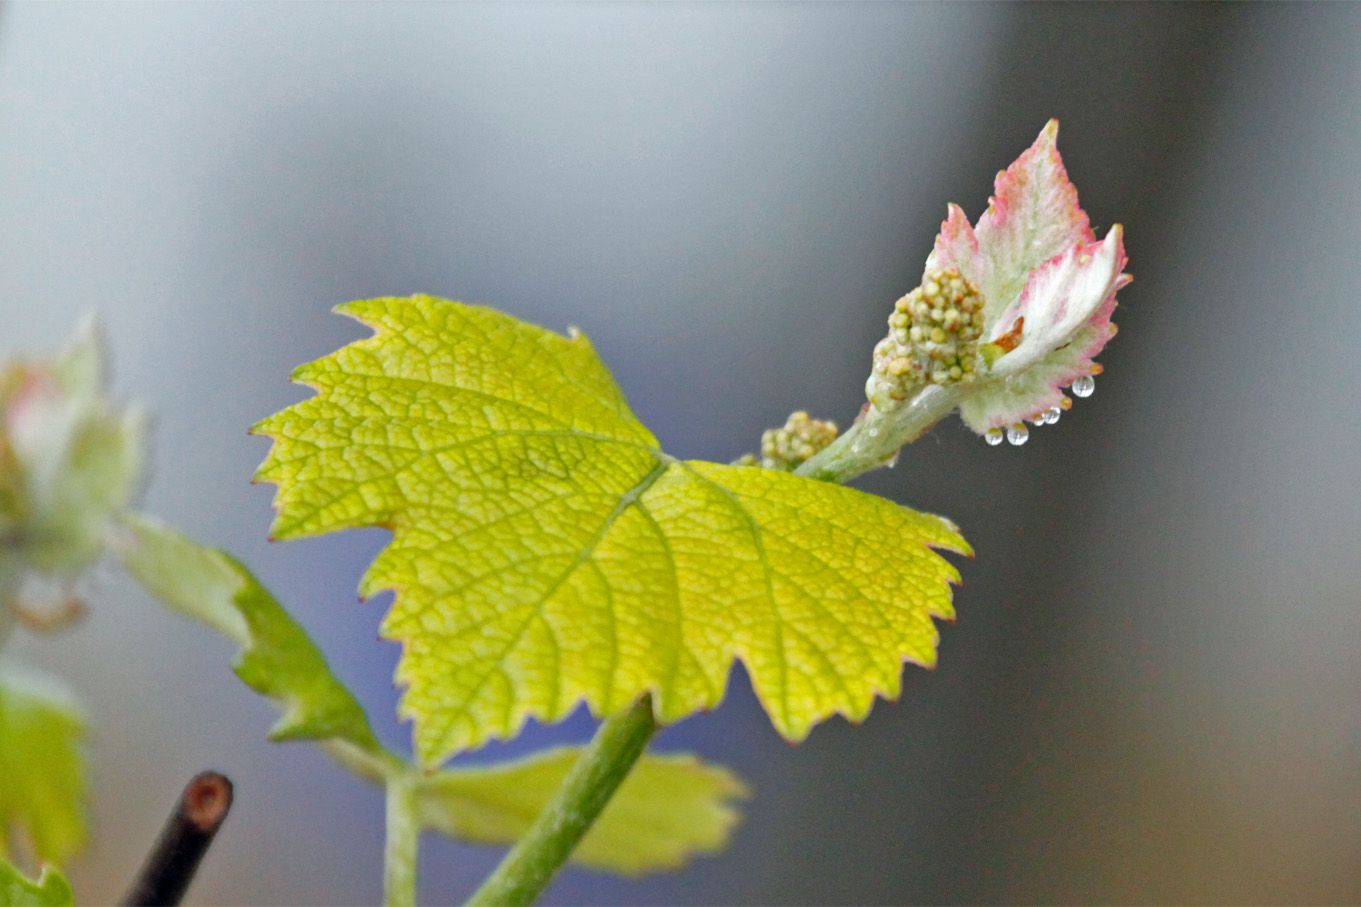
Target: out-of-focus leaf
[42, 765]
[69, 460]
[16, 890]
[670, 808]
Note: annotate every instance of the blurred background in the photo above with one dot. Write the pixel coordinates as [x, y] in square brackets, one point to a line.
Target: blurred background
[1153, 692]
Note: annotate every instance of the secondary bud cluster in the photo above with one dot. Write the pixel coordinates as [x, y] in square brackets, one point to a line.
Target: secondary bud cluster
[932, 339]
[787, 447]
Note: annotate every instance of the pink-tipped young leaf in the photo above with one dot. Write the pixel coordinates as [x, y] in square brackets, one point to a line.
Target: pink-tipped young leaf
[1047, 288]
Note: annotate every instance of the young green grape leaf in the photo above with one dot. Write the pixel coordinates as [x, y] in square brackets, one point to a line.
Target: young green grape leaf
[42, 765]
[277, 657]
[670, 808]
[545, 551]
[17, 890]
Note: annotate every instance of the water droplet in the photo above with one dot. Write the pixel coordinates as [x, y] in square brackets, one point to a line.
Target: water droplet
[873, 431]
[994, 436]
[1051, 415]
[1018, 434]
[1084, 386]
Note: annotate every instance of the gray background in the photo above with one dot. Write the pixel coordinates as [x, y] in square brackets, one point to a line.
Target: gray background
[1152, 691]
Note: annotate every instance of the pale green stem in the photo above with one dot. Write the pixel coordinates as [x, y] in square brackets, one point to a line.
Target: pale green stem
[403, 842]
[588, 787]
[876, 437]
[373, 765]
[401, 783]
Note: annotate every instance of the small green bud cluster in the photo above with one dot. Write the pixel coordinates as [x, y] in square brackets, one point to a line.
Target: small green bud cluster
[787, 447]
[932, 339]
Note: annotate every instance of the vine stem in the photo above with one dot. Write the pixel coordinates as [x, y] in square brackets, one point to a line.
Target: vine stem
[403, 841]
[877, 436]
[588, 787]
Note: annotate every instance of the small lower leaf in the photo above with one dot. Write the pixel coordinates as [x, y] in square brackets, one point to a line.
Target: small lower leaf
[42, 765]
[670, 808]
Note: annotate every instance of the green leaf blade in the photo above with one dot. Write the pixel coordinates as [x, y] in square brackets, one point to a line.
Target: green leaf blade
[833, 588]
[545, 552]
[671, 808]
[404, 408]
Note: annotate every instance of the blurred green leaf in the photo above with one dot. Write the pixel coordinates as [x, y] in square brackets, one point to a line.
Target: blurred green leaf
[51, 889]
[70, 459]
[670, 808]
[42, 765]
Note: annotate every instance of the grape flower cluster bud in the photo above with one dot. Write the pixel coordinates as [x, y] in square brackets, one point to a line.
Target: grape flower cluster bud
[786, 448]
[932, 339]
[70, 460]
